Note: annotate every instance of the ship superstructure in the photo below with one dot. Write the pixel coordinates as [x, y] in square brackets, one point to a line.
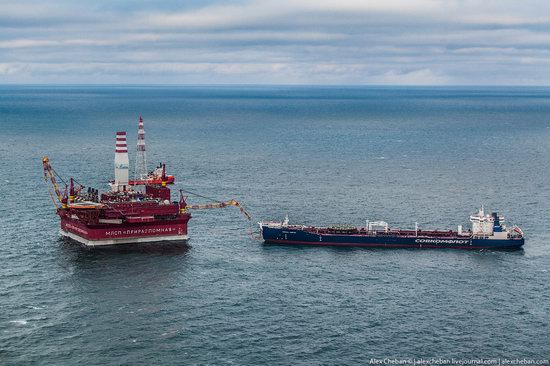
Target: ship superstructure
[487, 232]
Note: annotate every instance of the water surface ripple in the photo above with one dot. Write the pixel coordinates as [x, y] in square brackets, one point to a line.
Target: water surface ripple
[320, 155]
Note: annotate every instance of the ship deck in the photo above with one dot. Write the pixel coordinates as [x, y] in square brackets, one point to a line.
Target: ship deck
[378, 233]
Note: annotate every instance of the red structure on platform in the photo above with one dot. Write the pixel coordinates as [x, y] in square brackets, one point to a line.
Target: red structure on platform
[121, 215]
[135, 211]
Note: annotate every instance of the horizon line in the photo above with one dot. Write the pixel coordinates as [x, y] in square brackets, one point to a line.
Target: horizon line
[281, 85]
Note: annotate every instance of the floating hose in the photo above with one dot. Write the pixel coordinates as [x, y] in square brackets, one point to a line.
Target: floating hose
[222, 204]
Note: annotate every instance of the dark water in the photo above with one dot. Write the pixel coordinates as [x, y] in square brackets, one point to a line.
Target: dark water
[320, 155]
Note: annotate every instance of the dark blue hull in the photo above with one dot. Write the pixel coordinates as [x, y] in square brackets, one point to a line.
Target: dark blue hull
[301, 237]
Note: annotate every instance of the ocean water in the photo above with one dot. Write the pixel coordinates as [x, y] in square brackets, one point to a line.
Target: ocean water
[320, 155]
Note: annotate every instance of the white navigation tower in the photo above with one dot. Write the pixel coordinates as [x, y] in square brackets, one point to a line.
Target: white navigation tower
[140, 171]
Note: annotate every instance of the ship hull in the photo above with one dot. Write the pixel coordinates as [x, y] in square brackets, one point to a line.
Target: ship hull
[300, 237]
[115, 234]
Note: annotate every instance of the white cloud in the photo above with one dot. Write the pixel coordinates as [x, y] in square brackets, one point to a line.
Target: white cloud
[258, 12]
[415, 77]
[253, 41]
[10, 69]
[18, 43]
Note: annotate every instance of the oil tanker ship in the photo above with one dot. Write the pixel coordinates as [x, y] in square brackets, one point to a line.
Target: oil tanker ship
[487, 232]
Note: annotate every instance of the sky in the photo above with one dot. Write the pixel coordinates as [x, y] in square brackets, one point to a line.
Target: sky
[313, 42]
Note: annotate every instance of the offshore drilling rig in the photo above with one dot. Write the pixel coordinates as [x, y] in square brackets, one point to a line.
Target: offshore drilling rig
[132, 211]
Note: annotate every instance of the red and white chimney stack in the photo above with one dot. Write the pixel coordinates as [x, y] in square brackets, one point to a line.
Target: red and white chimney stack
[121, 163]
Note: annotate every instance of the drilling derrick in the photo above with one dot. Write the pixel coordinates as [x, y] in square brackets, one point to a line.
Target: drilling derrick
[140, 171]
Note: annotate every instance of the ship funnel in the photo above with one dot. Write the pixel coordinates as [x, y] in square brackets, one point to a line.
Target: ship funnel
[121, 163]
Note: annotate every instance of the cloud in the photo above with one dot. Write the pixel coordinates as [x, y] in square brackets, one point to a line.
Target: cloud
[17, 43]
[414, 77]
[266, 41]
[258, 13]
[9, 69]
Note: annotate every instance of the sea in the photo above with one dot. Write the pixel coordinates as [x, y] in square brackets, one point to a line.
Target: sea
[322, 156]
